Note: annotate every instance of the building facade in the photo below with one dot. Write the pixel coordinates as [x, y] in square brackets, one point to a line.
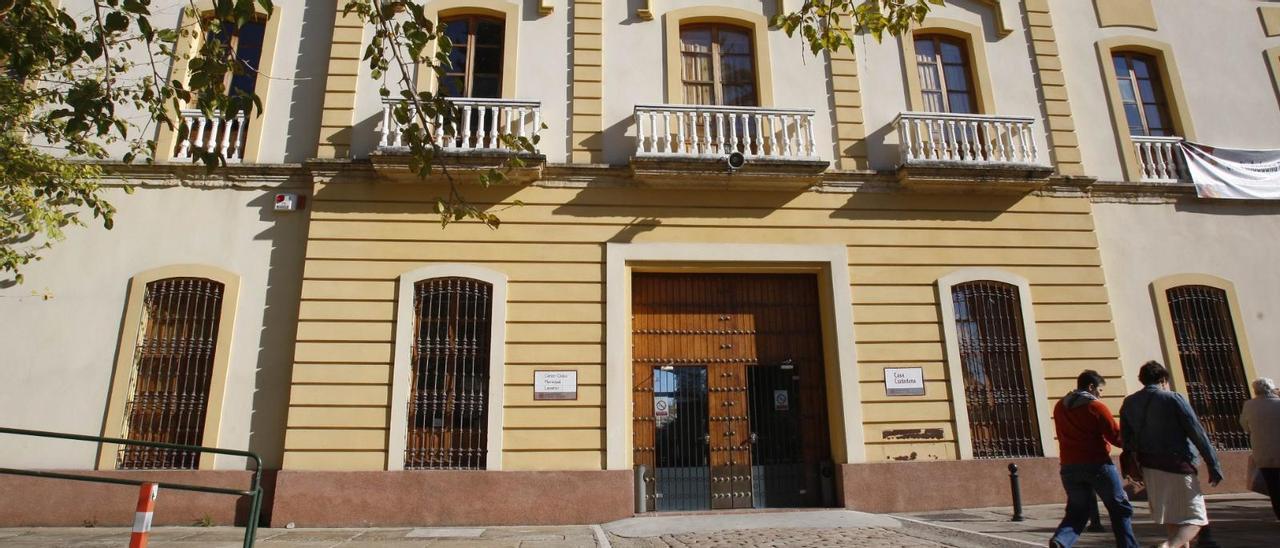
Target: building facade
[926, 242]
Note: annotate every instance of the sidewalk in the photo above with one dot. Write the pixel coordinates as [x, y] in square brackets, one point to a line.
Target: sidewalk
[1238, 520]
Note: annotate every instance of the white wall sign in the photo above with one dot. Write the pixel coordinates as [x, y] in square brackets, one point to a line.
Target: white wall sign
[555, 385]
[904, 381]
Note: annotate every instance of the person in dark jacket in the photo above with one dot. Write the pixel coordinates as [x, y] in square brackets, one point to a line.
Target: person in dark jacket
[1086, 431]
[1162, 428]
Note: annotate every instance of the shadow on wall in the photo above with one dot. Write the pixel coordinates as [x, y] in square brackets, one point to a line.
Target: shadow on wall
[311, 72]
[876, 206]
[1238, 208]
[653, 203]
[288, 236]
[363, 136]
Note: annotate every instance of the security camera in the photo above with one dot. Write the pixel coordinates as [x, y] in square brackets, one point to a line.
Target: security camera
[735, 160]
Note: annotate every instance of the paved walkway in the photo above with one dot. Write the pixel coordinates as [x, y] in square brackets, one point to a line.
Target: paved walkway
[1239, 521]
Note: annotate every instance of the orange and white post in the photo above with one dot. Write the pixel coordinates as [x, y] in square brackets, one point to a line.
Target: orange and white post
[142, 518]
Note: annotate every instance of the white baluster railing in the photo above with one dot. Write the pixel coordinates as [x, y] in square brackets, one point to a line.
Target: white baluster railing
[967, 139]
[481, 124]
[703, 131]
[1160, 159]
[212, 135]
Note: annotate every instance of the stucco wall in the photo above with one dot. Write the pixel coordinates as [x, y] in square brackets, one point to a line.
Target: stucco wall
[62, 325]
[1143, 242]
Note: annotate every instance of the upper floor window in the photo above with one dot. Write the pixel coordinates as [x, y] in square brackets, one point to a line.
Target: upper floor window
[946, 83]
[718, 65]
[476, 58]
[1145, 107]
[173, 363]
[245, 44]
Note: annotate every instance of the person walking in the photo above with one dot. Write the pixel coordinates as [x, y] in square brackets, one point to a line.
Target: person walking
[1162, 428]
[1086, 431]
[1261, 420]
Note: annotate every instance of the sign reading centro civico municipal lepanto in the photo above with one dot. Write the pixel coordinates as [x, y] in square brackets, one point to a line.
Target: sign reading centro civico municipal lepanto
[904, 381]
[555, 385]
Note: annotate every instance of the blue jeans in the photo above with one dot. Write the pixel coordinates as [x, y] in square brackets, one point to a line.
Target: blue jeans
[1082, 481]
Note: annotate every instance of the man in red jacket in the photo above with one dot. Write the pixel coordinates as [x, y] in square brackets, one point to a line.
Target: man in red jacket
[1086, 431]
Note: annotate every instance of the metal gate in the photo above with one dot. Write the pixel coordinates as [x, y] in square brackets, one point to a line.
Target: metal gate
[729, 402]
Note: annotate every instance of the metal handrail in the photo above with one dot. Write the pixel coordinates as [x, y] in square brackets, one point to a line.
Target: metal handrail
[254, 492]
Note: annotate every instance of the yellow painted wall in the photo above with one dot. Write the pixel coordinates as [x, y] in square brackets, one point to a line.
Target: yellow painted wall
[364, 235]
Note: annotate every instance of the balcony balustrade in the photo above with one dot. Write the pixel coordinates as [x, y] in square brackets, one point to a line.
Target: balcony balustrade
[480, 126]
[703, 131]
[212, 135]
[1160, 159]
[967, 140]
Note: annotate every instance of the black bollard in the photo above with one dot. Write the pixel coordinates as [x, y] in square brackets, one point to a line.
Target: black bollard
[1017, 492]
[1095, 521]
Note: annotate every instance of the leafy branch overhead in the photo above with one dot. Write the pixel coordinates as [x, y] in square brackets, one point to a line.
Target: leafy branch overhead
[828, 25]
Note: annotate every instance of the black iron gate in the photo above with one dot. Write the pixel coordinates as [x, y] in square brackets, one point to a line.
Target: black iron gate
[681, 439]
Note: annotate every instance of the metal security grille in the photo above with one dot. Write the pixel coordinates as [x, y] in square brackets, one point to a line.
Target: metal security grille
[448, 411]
[173, 365]
[997, 379]
[1211, 363]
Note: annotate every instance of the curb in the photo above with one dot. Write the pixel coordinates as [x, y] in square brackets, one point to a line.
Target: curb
[967, 538]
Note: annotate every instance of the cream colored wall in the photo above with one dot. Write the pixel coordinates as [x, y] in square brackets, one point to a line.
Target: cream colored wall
[1226, 85]
[541, 75]
[883, 70]
[62, 325]
[635, 72]
[1141, 243]
[553, 248]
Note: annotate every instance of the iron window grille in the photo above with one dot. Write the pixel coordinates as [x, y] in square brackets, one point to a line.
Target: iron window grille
[1211, 364]
[172, 370]
[996, 371]
[448, 407]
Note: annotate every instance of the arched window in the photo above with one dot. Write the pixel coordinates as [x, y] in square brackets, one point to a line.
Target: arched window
[717, 65]
[946, 80]
[1145, 108]
[173, 369]
[1212, 368]
[476, 58]
[994, 361]
[449, 375]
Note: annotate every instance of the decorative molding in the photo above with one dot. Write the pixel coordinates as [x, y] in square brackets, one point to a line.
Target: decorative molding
[645, 11]
[830, 262]
[1270, 16]
[1126, 13]
[1064, 145]
[401, 374]
[955, 375]
[545, 7]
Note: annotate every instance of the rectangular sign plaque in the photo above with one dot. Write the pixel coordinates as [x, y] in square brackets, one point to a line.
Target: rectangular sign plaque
[555, 385]
[904, 381]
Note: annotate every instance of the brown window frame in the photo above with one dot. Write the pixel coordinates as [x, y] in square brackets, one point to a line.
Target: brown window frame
[984, 334]
[468, 74]
[1216, 382]
[940, 66]
[453, 333]
[169, 385]
[717, 67]
[1161, 99]
[234, 48]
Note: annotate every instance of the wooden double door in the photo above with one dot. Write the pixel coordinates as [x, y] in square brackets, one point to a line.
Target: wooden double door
[729, 398]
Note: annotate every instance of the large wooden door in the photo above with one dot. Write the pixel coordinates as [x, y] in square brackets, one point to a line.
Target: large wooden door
[756, 337]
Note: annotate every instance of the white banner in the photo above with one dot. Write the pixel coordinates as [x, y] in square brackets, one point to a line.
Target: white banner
[1233, 173]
